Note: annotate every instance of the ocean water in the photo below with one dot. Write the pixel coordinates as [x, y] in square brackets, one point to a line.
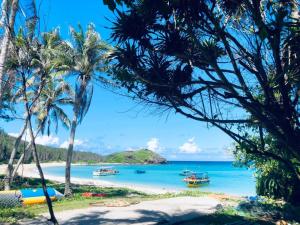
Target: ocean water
[224, 177]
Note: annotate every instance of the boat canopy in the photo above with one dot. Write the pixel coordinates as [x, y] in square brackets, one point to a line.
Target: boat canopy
[200, 175]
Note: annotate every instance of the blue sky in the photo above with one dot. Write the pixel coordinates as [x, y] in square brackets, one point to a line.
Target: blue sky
[116, 123]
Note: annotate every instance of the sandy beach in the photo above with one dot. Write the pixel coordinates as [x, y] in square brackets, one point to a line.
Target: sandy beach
[169, 211]
[30, 170]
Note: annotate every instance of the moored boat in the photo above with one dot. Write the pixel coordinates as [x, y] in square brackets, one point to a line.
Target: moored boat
[196, 179]
[140, 171]
[105, 171]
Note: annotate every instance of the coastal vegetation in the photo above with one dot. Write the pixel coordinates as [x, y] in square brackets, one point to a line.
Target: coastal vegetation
[143, 156]
[45, 153]
[231, 64]
[53, 154]
[228, 212]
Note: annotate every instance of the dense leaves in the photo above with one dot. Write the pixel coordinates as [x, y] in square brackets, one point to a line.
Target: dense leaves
[233, 64]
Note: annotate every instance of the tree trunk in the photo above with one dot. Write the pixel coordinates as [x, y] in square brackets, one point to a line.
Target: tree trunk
[28, 148]
[9, 170]
[4, 12]
[35, 154]
[36, 159]
[8, 23]
[68, 190]
[14, 173]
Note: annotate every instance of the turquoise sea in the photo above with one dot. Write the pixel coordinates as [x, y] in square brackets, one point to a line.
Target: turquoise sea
[224, 177]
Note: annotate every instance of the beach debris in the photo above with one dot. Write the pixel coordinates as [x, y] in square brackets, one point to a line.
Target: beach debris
[92, 194]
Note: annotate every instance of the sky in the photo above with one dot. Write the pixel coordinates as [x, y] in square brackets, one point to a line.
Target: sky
[116, 123]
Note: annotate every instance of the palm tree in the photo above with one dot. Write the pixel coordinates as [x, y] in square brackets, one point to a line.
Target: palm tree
[47, 52]
[37, 62]
[56, 94]
[9, 11]
[89, 53]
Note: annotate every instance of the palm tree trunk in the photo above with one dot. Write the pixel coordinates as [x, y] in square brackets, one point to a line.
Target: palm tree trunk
[27, 149]
[68, 190]
[38, 165]
[8, 23]
[9, 170]
[35, 154]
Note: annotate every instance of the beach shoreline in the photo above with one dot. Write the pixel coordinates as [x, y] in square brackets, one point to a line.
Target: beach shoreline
[30, 171]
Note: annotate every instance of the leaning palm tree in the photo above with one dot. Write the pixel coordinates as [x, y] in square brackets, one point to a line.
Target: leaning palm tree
[56, 94]
[24, 48]
[35, 61]
[89, 53]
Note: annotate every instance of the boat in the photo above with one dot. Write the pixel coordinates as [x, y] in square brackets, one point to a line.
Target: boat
[186, 172]
[105, 171]
[140, 171]
[196, 179]
[193, 184]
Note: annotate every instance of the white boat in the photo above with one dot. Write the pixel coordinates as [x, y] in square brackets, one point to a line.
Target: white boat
[105, 171]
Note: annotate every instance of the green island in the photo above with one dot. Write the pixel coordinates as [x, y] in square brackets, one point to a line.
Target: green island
[52, 154]
[143, 156]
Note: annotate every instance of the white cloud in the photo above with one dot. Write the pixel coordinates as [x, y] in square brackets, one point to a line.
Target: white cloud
[189, 147]
[153, 145]
[47, 140]
[41, 139]
[13, 134]
[77, 144]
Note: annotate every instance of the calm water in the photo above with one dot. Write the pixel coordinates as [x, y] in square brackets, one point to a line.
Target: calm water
[224, 177]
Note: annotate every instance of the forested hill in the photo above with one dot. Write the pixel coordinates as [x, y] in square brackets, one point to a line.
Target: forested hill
[50, 154]
[143, 156]
[46, 154]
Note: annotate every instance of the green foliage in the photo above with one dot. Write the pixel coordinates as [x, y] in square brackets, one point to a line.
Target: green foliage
[50, 154]
[45, 153]
[13, 215]
[139, 156]
[233, 64]
[270, 209]
[273, 178]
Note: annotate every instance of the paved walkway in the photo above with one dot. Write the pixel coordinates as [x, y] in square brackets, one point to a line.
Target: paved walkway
[164, 211]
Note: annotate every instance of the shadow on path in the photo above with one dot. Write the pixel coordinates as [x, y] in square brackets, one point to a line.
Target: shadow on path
[144, 217]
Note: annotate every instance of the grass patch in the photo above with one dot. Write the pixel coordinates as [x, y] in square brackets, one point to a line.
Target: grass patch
[12, 215]
[225, 215]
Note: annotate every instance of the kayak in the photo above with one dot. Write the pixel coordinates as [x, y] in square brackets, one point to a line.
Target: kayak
[27, 196]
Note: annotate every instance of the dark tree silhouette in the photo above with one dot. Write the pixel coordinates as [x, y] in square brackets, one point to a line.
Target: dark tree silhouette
[232, 64]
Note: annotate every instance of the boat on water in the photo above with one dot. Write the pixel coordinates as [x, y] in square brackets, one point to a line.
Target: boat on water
[186, 172]
[140, 171]
[196, 179]
[105, 171]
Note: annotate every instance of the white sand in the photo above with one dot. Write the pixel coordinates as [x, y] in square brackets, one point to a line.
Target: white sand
[30, 170]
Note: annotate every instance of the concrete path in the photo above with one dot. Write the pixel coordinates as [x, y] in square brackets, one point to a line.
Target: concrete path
[164, 211]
